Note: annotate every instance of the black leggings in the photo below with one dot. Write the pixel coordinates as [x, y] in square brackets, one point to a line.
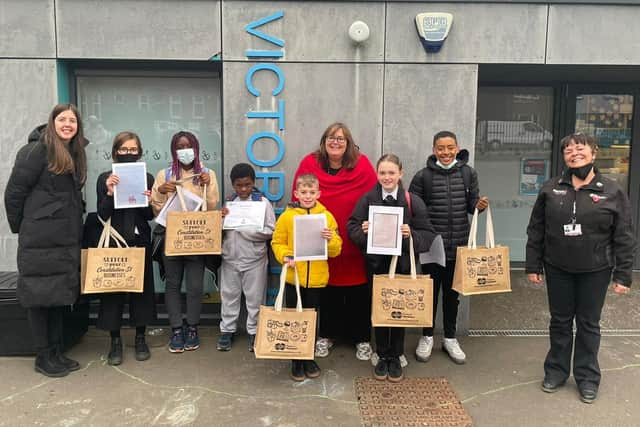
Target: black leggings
[46, 326]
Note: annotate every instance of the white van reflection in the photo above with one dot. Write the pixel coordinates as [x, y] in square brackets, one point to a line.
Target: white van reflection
[497, 134]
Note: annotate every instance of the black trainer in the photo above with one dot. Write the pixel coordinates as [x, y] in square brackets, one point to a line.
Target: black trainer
[115, 353]
[395, 370]
[142, 349]
[588, 392]
[297, 370]
[311, 368]
[550, 386]
[47, 364]
[70, 364]
[381, 371]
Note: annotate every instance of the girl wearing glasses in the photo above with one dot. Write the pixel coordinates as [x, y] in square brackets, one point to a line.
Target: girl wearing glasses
[133, 225]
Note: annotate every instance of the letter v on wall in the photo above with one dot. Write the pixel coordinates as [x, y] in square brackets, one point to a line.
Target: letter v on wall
[251, 29]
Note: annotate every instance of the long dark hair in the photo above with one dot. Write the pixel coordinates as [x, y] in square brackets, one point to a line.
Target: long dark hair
[351, 154]
[61, 159]
[175, 165]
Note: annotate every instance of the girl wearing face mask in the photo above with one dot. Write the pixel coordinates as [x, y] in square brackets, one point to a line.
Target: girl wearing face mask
[185, 152]
[133, 225]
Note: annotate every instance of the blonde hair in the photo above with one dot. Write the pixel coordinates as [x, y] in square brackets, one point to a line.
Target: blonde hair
[307, 180]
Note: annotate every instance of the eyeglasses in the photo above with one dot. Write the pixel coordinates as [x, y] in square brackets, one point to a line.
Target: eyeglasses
[122, 150]
[340, 139]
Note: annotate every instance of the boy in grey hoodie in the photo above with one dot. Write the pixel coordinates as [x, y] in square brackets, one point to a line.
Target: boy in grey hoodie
[244, 260]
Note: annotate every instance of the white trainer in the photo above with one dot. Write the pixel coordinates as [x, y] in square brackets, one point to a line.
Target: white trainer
[424, 348]
[323, 345]
[452, 347]
[363, 351]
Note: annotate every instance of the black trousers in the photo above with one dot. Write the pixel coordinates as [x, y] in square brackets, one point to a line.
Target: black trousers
[443, 280]
[578, 296]
[389, 341]
[311, 297]
[346, 313]
[46, 326]
[142, 306]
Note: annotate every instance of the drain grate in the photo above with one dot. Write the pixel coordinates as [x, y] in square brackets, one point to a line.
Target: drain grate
[413, 402]
[545, 333]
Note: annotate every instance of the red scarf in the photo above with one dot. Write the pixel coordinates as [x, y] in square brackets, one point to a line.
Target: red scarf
[339, 194]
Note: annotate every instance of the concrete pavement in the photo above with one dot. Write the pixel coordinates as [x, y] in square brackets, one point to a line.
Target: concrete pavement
[499, 386]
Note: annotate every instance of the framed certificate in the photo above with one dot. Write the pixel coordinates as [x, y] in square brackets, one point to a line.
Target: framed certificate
[245, 215]
[129, 193]
[384, 236]
[308, 243]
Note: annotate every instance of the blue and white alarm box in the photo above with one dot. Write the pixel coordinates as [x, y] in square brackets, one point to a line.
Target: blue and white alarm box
[433, 28]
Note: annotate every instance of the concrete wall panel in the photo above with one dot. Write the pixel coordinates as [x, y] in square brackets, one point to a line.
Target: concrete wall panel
[138, 29]
[482, 33]
[29, 106]
[354, 97]
[422, 99]
[590, 34]
[27, 29]
[312, 31]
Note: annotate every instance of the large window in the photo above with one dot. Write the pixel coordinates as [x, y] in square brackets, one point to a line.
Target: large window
[513, 157]
[155, 107]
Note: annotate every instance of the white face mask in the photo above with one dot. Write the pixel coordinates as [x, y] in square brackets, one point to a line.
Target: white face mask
[449, 166]
[186, 156]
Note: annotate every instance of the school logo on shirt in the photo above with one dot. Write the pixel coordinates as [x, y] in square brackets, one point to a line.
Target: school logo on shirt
[597, 197]
[560, 192]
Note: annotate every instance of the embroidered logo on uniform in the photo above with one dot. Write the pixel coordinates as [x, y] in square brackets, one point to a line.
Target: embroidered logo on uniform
[560, 192]
[599, 184]
[596, 197]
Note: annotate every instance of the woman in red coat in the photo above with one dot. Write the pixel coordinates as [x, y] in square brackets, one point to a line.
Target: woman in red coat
[345, 174]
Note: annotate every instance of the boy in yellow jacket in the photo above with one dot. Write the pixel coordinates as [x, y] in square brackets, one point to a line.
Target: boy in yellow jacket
[312, 275]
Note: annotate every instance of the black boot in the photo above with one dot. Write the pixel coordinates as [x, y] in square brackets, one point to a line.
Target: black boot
[70, 364]
[115, 354]
[142, 349]
[47, 364]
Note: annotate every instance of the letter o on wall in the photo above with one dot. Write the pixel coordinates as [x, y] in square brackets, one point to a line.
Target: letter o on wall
[265, 163]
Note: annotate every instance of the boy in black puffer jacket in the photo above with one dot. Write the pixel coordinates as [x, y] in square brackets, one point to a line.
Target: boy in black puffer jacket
[449, 188]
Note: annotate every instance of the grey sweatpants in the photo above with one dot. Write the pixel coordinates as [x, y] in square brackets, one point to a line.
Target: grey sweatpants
[233, 283]
[193, 269]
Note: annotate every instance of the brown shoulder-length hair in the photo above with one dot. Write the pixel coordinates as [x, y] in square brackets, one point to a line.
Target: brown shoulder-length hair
[120, 139]
[63, 160]
[351, 154]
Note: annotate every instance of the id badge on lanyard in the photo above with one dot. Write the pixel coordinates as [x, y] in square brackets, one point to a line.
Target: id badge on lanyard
[573, 229]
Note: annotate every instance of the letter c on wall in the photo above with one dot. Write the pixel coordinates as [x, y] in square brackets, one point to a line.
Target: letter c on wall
[259, 67]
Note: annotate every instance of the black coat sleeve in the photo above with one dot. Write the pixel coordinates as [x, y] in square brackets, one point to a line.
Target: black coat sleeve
[417, 187]
[147, 213]
[474, 191]
[105, 202]
[422, 231]
[535, 233]
[29, 165]
[624, 241]
[354, 225]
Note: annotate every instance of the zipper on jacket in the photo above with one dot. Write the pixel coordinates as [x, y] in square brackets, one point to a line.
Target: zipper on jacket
[450, 219]
[308, 262]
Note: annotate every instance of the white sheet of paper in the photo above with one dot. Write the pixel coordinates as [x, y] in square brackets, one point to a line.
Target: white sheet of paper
[192, 201]
[384, 236]
[129, 193]
[245, 215]
[436, 254]
[308, 243]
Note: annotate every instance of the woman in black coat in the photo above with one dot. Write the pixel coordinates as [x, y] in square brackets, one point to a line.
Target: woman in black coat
[389, 192]
[581, 237]
[133, 225]
[44, 206]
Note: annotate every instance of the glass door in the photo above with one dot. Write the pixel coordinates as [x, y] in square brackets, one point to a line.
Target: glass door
[610, 113]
